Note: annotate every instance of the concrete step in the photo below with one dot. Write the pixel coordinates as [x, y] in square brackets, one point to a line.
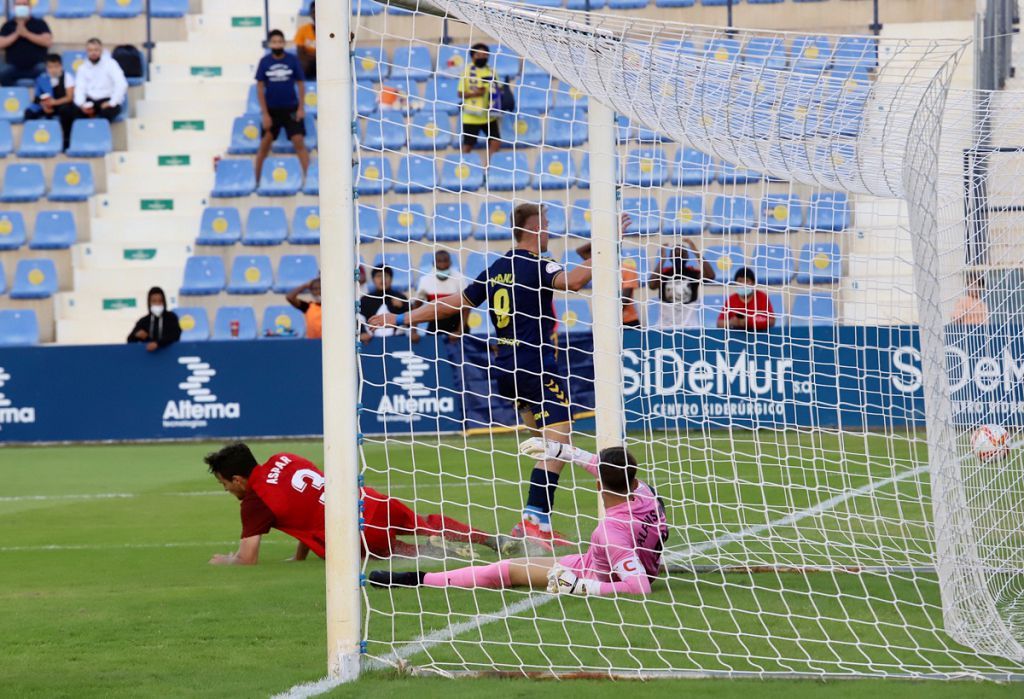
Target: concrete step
[179, 182]
[246, 25]
[130, 255]
[146, 164]
[891, 242]
[107, 331]
[165, 137]
[230, 72]
[78, 305]
[883, 267]
[146, 230]
[155, 203]
[198, 112]
[202, 90]
[100, 283]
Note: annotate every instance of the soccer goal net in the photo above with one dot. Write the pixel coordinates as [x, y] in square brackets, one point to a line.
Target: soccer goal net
[807, 332]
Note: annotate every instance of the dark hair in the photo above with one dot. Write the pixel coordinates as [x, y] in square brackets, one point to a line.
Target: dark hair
[156, 290]
[54, 58]
[479, 47]
[520, 215]
[617, 470]
[383, 269]
[274, 32]
[94, 40]
[745, 273]
[232, 460]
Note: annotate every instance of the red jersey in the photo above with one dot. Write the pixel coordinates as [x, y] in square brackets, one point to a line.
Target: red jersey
[756, 309]
[286, 493]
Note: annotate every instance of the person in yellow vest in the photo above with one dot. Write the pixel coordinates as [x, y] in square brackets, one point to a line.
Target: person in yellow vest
[311, 309]
[477, 90]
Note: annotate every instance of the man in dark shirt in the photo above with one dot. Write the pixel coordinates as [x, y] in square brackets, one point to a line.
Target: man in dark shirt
[26, 40]
[382, 299]
[281, 90]
[677, 279]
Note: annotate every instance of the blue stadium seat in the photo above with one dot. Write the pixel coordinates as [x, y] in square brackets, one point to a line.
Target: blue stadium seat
[370, 63]
[645, 214]
[372, 175]
[54, 230]
[305, 226]
[451, 59]
[283, 323]
[583, 176]
[40, 8]
[574, 315]
[828, 212]
[368, 223]
[12, 230]
[765, 51]
[557, 223]
[724, 261]
[121, 9]
[13, 103]
[413, 62]
[195, 324]
[478, 261]
[384, 131]
[90, 138]
[23, 182]
[18, 328]
[690, 167]
[683, 215]
[311, 185]
[508, 171]
[722, 49]
[74, 58]
[730, 174]
[710, 309]
[819, 263]
[635, 257]
[226, 315]
[311, 102]
[732, 215]
[645, 167]
[220, 226]
[366, 8]
[250, 274]
[294, 271]
[674, 3]
[505, 62]
[407, 91]
[568, 97]
[204, 276]
[855, 53]
[579, 218]
[416, 174]
[252, 101]
[42, 138]
[810, 54]
[72, 182]
[626, 131]
[533, 93]
[626, 4]
[531, 69]
[522, 129]
[401, 267]
[75, 9]
[479, 322]
[281, 177]
[168, 9]
[366, 97]
[453, 222]
[812, 309]
[462, 173]
[430, 130]
[3, 281]
[404, 223]
[265, 225]
[234, 177]
[773, 264]
[565, 128]
[6, 139]
[555, 170]
[495, 221]
[442, 95]
[246, 132]
[781, 213]
[34, 279]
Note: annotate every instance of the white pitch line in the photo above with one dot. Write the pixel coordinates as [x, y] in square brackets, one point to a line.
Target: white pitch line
[106, 547]
[428, 641]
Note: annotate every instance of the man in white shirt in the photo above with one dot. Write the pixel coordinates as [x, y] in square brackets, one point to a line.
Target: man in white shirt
[100, 86]
[443, 281]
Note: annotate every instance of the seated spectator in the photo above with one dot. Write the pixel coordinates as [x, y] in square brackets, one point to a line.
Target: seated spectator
[100, 87]
[311, 309]
[55, 91]
[677, 279]
[305, 44]
[159, 327]
[442, 281]
[630, 283]
[748, 308]
[281, 90]
[382, 299]
[27, 40]
[971, 308]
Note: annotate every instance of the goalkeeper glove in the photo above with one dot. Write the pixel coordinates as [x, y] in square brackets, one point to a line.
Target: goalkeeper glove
[542, 449]
[562, 581]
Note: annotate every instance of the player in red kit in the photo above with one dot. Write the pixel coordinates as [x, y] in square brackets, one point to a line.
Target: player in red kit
[287, 493]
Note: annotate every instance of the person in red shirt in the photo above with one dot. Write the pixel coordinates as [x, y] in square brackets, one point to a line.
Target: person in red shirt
[748, 308]
[287, 493]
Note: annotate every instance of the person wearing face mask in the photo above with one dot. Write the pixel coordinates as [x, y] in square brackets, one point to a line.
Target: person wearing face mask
[442, 281]
[26, 40]
[100, 87]
[159, 327]
[281, 91]
[55, 91]
[310, 309]
[476, 90]
[748, 308]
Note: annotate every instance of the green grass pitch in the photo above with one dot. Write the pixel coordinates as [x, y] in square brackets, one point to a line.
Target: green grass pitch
[105, 588]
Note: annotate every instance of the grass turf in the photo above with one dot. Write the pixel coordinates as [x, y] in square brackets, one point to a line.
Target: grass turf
[105, 589]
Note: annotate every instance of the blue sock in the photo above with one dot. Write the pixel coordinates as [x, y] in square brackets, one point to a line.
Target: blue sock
[541, 498]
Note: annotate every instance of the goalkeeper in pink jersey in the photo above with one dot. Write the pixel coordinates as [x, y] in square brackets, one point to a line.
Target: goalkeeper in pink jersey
[625, 549]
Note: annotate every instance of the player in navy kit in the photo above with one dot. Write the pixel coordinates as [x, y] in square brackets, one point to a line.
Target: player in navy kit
[519, 290]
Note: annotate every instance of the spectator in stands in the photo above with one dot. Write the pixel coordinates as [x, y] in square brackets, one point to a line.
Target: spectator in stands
[55, 91]
[748, 308]
[311, 309]
[382, 299]
[971, 308]
[27, 40]
[305, 44]
[476, 90]
[677, 279]
[442, 281]
[159, 327]
[100, 87]
[630, 283]
[281, 89]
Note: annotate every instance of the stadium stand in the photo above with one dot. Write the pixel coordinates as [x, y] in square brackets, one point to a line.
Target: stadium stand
[18, 328]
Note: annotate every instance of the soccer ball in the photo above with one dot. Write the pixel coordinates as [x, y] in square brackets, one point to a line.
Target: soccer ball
[990, 442]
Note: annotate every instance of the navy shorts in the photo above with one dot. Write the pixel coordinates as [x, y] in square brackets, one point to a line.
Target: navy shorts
[540, 392]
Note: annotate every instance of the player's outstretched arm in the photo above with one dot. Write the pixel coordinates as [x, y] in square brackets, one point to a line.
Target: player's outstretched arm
[562, 581]
[444, 307]
[248, 553]
[542, 449]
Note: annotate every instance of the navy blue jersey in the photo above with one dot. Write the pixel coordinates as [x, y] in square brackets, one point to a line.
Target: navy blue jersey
[518, 289]
[280, 76]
